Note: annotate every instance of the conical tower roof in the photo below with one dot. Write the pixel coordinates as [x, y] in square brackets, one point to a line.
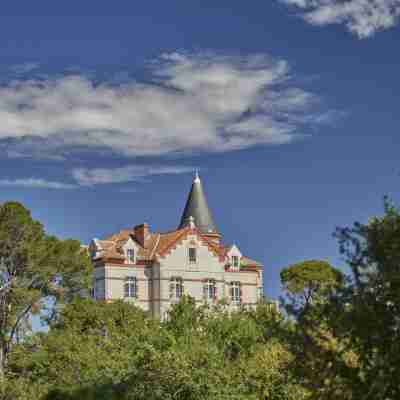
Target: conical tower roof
[197, 207]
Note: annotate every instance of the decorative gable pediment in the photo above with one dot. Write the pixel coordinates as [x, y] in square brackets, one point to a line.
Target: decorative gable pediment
[234, 251]
[234, 256]
[130, 249]
[192, 236]
[190, 250]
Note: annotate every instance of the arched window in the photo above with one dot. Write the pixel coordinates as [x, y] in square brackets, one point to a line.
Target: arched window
[130, 256]
[130, 287]
[235, 293]
[209, 290]
[176, 288]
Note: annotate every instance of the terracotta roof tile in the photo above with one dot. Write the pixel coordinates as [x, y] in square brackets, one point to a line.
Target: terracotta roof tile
[248, 262]
[168, 239]
[160, 243]
[121, 235]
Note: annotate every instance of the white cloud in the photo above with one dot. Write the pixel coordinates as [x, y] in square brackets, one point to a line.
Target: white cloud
[36, 183]
[193, 103]
[361, 17]
[101, 176]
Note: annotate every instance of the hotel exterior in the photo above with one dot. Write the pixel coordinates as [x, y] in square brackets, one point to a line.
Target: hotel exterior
[153, 270]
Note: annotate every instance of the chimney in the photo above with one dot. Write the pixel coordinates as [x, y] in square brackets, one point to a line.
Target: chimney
[141, 233]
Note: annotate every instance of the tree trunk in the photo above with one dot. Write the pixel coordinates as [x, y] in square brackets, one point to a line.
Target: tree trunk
[2, 362]
[4, 347]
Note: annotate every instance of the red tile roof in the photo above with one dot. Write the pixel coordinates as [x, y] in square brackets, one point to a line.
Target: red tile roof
[160, 244]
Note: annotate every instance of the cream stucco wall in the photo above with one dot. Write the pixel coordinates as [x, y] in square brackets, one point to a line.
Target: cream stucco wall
[113, 277]
[176, 264]
[154, 281]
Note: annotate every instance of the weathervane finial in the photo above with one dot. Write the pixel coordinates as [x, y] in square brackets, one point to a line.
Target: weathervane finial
[196, 175]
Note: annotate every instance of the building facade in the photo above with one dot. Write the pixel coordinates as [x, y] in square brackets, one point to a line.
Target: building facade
[154, 270]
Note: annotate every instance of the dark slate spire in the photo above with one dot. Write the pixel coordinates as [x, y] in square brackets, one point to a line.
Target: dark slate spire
[197, 207]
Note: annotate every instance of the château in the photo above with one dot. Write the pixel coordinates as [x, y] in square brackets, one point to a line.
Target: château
[154, 270]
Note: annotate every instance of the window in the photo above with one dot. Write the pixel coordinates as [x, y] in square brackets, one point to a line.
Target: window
[235, 262]
[130, 287]
[176, 288]
[130, 256]
[235, 293]
[209, 290]
[192, 255]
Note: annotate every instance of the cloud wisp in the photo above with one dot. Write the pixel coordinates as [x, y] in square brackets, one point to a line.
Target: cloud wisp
[130, 173]
[25, 68]
[37, 183]
[86, 177]
[192, 103]
[361, 17]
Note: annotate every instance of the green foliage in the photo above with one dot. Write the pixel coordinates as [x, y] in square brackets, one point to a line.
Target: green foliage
[90, 342]
[185, 317]
[340, 340]
[309, 282]
[371, 317]
[97, 350]
[35, 269]
[322, 357]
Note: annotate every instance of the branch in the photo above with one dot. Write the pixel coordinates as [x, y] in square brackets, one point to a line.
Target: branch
[18, 320]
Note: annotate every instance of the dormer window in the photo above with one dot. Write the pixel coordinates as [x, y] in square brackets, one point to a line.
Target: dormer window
[130, 256]
[192, 255]
[235, 262]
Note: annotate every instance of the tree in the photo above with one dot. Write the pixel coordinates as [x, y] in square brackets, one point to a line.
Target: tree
[185, 316]
[308, 282]
[90, 345]
[35, 269]
[371, 313]
[326, 363]
[96, 350]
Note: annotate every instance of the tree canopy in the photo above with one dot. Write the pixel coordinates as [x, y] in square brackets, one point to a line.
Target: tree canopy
[308, 282]
[338, 340]
[36, 269]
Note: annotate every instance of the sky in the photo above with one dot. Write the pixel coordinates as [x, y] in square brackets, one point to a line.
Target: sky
[288, 108]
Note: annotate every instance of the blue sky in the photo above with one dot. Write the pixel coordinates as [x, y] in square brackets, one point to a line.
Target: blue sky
[289, 109]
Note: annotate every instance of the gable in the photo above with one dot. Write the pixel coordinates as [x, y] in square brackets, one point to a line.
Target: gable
[234, 251]
[130, 244]
[173, 239]
[177, 256]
